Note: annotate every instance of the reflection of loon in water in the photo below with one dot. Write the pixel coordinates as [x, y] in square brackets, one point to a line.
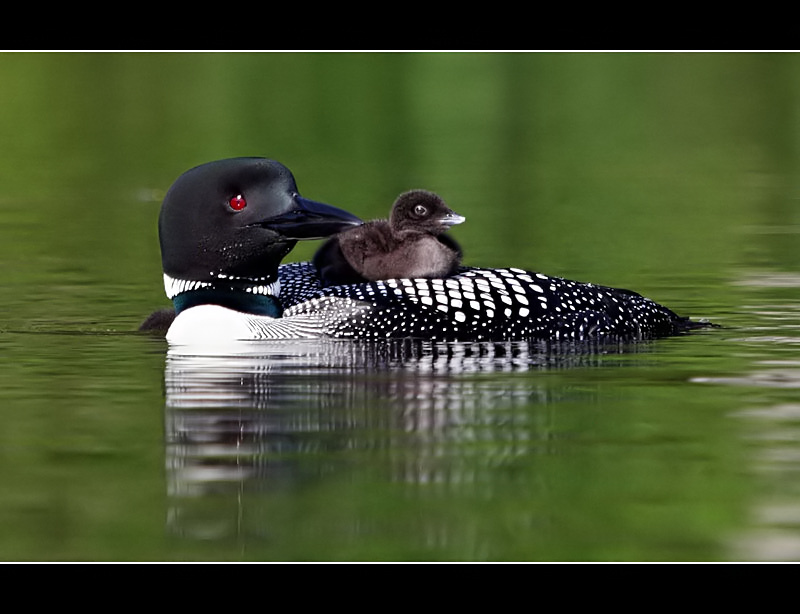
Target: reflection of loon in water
[272, 415]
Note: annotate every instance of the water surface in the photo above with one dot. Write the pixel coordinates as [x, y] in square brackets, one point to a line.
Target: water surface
[670, 174]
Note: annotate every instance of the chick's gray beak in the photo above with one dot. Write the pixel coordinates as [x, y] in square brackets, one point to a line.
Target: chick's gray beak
[452, 218]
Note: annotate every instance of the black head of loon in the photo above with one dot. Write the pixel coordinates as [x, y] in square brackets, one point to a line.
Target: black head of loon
[410, 244]
[225, 226]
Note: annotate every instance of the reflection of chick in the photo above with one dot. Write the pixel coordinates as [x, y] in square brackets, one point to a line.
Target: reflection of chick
[411, 244]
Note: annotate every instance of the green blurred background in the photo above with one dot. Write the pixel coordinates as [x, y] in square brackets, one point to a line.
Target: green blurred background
[674, 174]
[601, 166]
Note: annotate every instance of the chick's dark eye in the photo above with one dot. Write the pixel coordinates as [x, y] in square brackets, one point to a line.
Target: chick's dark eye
[420, 210]
[237, 203]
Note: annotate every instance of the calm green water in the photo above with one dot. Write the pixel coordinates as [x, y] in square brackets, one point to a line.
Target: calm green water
[672, 174]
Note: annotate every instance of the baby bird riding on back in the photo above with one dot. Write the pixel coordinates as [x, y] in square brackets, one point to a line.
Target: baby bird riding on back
[410, 244]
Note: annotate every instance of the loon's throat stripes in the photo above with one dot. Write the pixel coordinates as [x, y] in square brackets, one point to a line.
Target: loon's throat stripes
[173, 287]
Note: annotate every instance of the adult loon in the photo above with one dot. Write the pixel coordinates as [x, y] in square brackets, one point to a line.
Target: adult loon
[410, 244]
[225, 226]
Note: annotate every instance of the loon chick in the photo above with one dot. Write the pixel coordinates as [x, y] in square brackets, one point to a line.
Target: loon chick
[225, 226]
[410, 244]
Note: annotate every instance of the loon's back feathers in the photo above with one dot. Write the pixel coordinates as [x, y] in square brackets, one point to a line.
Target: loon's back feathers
[479, 304]
[476, 304]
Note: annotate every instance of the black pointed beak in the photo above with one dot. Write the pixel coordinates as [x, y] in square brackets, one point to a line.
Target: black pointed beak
[310, 220]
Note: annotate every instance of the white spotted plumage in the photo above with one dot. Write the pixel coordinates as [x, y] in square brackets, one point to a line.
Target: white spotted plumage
[475, 305]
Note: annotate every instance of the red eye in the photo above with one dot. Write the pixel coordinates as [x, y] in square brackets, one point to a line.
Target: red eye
[237, 203]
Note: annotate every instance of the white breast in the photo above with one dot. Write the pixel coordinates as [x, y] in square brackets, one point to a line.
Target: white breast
[313, 319]
[209, 324]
